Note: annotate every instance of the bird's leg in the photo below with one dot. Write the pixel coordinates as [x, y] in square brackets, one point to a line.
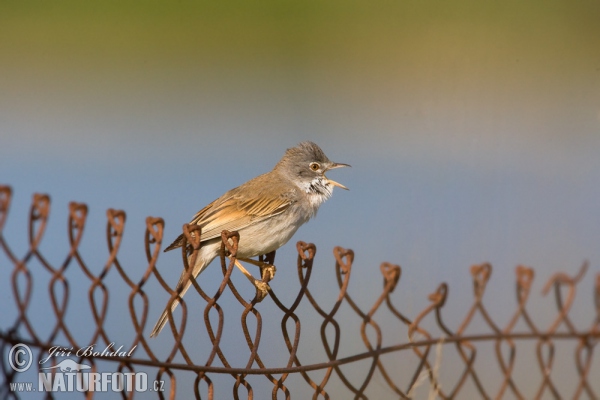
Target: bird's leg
[262, 287]
[267, 271]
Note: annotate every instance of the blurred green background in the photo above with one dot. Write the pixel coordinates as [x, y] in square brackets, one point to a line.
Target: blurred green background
[473, 129]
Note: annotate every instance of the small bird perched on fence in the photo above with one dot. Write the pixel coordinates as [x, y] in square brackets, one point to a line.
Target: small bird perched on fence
[266, 211]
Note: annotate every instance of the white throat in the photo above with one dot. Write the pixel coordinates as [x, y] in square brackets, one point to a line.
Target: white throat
[318, 190]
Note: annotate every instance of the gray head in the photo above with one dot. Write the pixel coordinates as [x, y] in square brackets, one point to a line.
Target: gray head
[306, 164]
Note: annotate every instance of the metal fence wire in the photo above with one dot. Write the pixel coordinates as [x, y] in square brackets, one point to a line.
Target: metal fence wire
[427, 336]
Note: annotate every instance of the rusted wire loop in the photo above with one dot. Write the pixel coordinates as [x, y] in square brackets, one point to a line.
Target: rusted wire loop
[306, 251]
[193, 238]
[546, 361]
[344, 258]
[481, 275]
[155, 226]
[116, 219]
[209, 384]
[439, 296]
[232, 246]
[564, 279]
[583, 359]
[78, 214]
[546, 368]
[40, 207]
[391, 273]
[525, 277]
[557, 279]
[5, 197]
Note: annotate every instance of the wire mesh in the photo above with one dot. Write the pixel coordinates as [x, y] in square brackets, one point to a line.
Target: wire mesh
[423, 344]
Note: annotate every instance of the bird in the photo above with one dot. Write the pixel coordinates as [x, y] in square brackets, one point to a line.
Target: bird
[266, 211]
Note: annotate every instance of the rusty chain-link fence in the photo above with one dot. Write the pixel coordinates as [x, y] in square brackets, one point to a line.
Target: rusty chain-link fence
[426, 358]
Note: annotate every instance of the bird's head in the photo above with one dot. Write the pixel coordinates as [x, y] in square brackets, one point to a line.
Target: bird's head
[306, 165]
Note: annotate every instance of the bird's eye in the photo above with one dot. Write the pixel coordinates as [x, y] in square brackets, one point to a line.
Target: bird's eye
[314, 166]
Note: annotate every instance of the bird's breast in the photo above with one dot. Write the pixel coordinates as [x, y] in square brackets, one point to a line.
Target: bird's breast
[270, 234]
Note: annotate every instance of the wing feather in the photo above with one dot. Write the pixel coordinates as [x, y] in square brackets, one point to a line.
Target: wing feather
[235, 209]
[235, 214]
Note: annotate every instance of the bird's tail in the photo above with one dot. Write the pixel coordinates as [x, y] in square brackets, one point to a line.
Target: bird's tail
[181, 288]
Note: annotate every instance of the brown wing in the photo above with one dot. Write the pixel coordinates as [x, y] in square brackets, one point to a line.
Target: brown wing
[236, 209]
[179, 241]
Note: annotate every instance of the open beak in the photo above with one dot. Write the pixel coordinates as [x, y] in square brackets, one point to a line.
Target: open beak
[334, 183]
[338, 165]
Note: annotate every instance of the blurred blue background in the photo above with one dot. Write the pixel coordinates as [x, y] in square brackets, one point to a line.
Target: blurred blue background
[472, 128]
